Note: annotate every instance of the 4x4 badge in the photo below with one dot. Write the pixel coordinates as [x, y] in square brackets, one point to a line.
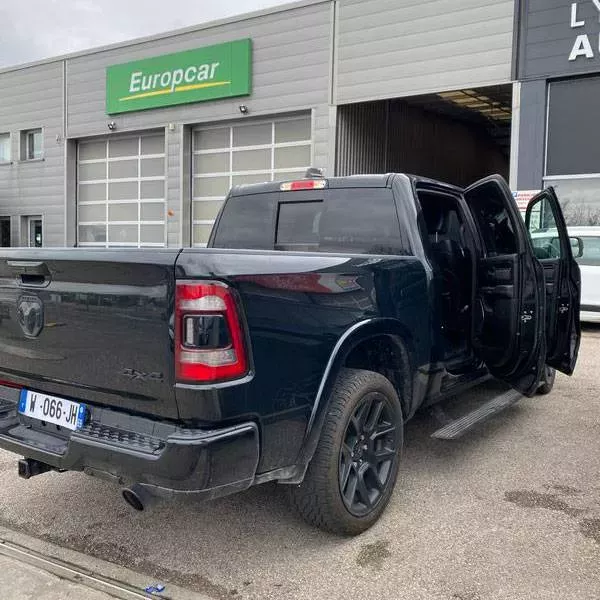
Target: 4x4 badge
[134, 374]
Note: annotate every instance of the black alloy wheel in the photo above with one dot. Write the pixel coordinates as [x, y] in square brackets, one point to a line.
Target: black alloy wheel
[367, 454]
[352, 474]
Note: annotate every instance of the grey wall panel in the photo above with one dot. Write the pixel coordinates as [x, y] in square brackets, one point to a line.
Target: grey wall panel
[548, 32]
[532, 128]
[31, 98]
[173, 141]
[394, 48]
[321, 139]
[70, 186]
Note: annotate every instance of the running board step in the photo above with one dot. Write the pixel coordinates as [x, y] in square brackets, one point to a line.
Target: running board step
[459, 427]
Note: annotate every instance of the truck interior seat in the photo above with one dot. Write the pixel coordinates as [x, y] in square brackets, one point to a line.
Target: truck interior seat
[450, 259]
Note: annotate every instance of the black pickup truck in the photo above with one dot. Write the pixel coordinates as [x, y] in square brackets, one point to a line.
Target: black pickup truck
[294, 348]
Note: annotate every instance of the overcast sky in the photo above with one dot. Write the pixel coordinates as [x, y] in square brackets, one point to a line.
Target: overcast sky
[36, 29]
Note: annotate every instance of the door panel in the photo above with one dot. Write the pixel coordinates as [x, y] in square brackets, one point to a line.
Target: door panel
[552, 247]
[509, 315]
[496, 294]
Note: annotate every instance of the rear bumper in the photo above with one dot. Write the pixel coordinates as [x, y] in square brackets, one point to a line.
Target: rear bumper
[162, 458]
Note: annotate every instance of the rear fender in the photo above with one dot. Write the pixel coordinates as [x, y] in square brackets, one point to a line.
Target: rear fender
[355, 335]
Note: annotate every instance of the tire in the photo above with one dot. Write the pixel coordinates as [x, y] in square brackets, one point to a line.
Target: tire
[547, 382]
[365, 401]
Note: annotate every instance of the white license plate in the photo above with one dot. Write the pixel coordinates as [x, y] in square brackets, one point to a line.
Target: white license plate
[52, 409]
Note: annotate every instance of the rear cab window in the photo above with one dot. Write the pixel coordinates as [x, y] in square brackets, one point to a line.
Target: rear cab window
[361, 220]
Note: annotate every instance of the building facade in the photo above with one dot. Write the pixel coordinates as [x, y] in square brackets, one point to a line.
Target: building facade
[558, 73]
[136, 144]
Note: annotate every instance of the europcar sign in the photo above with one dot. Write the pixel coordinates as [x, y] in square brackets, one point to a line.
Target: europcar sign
[221, 71]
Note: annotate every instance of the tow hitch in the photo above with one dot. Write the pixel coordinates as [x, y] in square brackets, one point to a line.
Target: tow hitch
[28, 467]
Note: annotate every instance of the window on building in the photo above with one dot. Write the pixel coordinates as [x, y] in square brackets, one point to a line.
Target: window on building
[4, 147]
[572, 164]
[32, 144]
[579, 198]
[34, 228]
[5, 232]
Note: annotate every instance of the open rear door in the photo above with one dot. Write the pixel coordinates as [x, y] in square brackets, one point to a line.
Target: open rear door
[508, 314]
[553, 249]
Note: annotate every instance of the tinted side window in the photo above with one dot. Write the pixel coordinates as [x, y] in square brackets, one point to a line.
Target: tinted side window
[493, 220]
[246, 222]
[360, 220]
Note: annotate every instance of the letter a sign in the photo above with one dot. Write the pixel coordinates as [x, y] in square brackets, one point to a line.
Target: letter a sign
[583, 44]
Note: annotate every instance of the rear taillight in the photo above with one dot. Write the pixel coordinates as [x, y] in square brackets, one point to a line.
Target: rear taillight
[303, 184]
[209, 340]
[10, 384]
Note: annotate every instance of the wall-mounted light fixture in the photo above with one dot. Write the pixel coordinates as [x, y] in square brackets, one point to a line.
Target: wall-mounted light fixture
[243, 109]
[112, 125]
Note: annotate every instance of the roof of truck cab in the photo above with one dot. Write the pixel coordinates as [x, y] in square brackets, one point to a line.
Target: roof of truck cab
[332, 182]
[349, 181]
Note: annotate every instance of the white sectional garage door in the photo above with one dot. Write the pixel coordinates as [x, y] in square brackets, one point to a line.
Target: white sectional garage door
[121, 191]
[250, 152]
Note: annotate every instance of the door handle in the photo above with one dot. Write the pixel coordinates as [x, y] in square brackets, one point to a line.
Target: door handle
[30, 272]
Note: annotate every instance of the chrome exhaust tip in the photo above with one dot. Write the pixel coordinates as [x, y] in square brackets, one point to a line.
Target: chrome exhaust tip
[137, 497]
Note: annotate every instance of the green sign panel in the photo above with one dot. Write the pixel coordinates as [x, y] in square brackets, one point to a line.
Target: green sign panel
[221, 71]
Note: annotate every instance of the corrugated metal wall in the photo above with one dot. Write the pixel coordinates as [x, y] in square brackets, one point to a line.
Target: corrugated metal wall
[31, 98]
[392, 136]
[394, 48]
[362, 138]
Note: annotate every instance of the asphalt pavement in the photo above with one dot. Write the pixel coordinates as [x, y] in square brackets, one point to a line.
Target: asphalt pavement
[509, 512]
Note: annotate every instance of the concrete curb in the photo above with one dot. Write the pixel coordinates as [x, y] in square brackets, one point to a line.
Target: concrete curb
[84, 570]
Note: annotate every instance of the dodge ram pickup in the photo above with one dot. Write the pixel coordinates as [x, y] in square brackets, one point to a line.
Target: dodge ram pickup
[294, 348]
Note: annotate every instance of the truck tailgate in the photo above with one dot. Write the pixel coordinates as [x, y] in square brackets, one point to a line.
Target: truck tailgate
[92, 325]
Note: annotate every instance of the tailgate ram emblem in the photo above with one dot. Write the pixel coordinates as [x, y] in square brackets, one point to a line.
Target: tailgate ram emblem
[30, 314]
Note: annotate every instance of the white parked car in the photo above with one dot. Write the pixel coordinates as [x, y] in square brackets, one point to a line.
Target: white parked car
[589, 263]
[585, 242]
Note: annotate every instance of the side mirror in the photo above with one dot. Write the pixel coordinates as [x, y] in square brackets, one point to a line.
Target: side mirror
[576, 246]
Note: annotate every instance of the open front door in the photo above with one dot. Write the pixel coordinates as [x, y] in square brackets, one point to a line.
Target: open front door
[508, 313]
[553, 249]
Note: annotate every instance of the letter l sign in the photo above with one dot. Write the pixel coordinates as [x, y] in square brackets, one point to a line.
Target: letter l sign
[574, 22]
